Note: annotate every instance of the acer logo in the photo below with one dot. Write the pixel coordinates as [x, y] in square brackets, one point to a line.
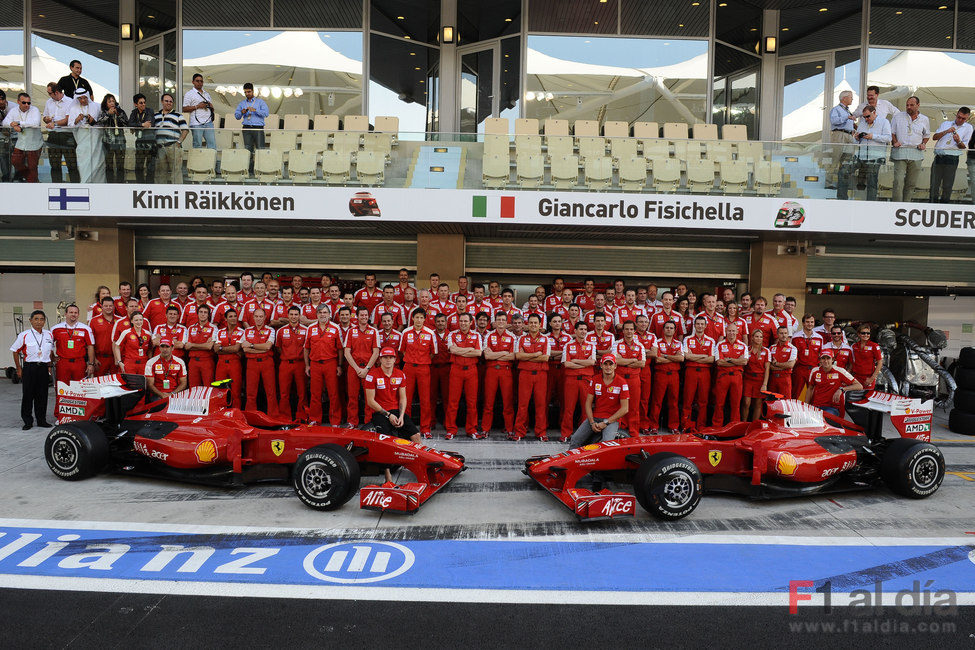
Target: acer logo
[377, 498]
[617, 506]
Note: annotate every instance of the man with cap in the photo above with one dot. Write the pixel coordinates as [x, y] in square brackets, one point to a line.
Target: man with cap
[165, 374]
[828, 384]
[607, 402]
[385, 392]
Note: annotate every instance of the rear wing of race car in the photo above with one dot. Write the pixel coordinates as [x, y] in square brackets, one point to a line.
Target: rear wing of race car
[911, 417]
[110, 397]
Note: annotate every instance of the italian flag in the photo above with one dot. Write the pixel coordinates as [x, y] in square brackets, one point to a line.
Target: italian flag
[501, 206]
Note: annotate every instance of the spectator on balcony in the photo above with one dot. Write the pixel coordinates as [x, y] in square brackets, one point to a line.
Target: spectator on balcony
[199, 105]
[91, 158]
[251, 112]
[910, 132]
[4, 141]
[171, 130]
[952, 139]
[24, 121]
[873, 136]
[141, 118]
[883, 107]
[112, 119]
[841, 124]
[60, 140]
[72, 83]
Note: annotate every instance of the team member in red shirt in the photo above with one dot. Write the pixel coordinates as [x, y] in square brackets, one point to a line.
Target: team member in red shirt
[756, 377]
[783, 317]
[260, 300]
[562, 307]
[587, 299]
[165, 374]
[102, 327]
[607, 402]
[532, 352]
[462, 289]
[556, 369]
[699, 353]
[258, 348]
[361, 353]
[666, 378]
[463, 307]
[230, 301]
[368, 296]
[323, 346]
[200, 342]
[440, 368]
[732, 357]
[334, 302]
[464, 347]
[601, 336]
[579, 357]
[481, 304]
[507, 304]
[125, 322]
[829, 317]
[553, 299]
[534, 307]
[782, 359]
[574, 316]
[385, 391]
[629, 310]
[281, 307]
[868, 359]
[228, 356]
[499, 353]
[389, 336]
[173, 330]
[124, 293]
[189, 311]
[309, 310]
[132, 346]
[182, 294]
[600, 307]
[389, 306]
[74, 347]
[155, 311]
[95, 308]
[290, 341]
[828, 384]
[649, 343]
[419, 345]
[631, 359]
[716, 323]
[839, 348]
[399, 291]
[246, 287]
[808, 346]
[666, 314]
[731, 316]
[762, 321]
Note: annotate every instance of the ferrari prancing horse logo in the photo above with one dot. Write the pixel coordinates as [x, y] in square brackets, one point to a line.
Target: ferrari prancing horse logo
[714, 457]
[277, 446]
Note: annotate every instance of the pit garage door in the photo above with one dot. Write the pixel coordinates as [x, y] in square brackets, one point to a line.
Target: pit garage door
[943, 265]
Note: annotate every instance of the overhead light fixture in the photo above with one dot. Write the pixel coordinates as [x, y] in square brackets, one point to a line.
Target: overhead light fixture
[400, 17]
[823, 9]
[447, 34]
[771, 44]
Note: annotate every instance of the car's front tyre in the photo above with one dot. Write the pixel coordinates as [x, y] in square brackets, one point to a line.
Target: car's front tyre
[668, 486]
[325, 477]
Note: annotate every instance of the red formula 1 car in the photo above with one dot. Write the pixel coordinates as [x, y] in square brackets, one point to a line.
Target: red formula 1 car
[193, 435]
[797, 449]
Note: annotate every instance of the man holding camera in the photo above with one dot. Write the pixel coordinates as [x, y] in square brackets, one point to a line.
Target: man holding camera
[872, 135]
[199, 105]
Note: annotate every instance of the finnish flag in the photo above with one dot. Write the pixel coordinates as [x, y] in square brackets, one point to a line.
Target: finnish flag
[68, 199]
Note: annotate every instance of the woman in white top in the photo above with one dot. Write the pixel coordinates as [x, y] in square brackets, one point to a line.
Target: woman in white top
[83, 115]
[32, 359]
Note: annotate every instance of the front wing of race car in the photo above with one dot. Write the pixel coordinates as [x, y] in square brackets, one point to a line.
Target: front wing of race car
[432, 468]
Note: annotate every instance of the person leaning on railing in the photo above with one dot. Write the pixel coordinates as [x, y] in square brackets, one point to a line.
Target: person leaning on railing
[873, 136]
[112, 120]
[4, 141]
[841, 124]
[141, 119]
[951, 141]
[910, 132]
[24, 122]
[171, 130]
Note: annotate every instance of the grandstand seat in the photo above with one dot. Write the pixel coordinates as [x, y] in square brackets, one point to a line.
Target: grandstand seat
[585, 128]
[768, 178]
[633, 173]
[700, 176]
[296, 122]
[346, 142]
[355, 123]
[565, 171]
[718, 152]
[390, 125]
[530, 169]
[734, 132]
[225, 139]
[734, 176]
[231, 122]
[558, 145]
[885, 182]
[556, 127]
[750, 152]
[526, 126]
[676, 131]
[922, 188]
[201, 164]
[591, 147]
[234, 164]
[666, 175]
[496, 125]
[268, 164]
[598, 173]
[616, 129]
[644, 131]
[497, 144]
[705, 131]
[687, 150]
[528, 144]
[283, 140]
[654, 149]
[496, 170]
[370, 166]
[381, 143]
[314, 141]
[303, 166]
[622, 148]
[336, 167]
[272, 122]
[327, 123]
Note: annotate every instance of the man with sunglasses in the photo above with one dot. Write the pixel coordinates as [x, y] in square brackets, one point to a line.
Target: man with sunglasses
[868, 359]
[839, 348]
[25, 121]
[60, 141]
[607, 402]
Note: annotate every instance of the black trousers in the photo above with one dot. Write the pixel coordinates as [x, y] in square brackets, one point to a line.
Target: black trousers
[62, 146]
[253, 140]
[384, 426]
[35, 383]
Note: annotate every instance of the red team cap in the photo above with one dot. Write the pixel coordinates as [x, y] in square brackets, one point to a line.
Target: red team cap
[608, 357]
[825, 353]
[387, 352]
[163, 342]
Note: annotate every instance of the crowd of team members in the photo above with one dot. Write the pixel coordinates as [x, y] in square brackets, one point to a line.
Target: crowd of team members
[617, 358]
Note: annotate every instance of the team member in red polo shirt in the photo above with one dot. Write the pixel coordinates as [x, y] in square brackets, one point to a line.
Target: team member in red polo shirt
[763, 321]
[587, 299]
[562, 307]
[200, 342]
[389, 306]
[334, 302]
[463, 307]
[716, 323]
[309, 310]
[125, 322]
[182, 294]
[839, 348]
[629, 310]
[385, 391]
[290, 341]
[173, 330]
[323, 346]
[756, 377]
[231, 300]
[808, 346]
[259, 300]
[165, 374]
[666, 378]
[828, 384]
[102, 327]
[462, 289]
[189, 311]
[228, 356]
[600, 307]
[601, 336]
[507, 304]
[535, 307]
[419, 345]
[868, 359]
[731, 316]
[122, 302]
[699, 354]
[464, 347]
[389, 336]
[361, 353]
[95, 308]
[481, 304]
[74, 347]
[556, 369]
[532, 352]
[499, 353]
[553, 299]
[667, 315]
[782, 359]
[579, 357]
[155, 311]
[132, 346]
[607, 402]
[369, 296]
[399, 291]
[440, 368]
[631, 358]
[649, 343]
[732, 357]
[257, 345]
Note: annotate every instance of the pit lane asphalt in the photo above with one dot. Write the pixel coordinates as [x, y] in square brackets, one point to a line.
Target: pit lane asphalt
[491, 500]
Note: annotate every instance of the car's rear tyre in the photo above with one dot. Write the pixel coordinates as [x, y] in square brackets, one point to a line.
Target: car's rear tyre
[961, 422]
[76, 450]
[912, 468]
[966, 358]
[325, 477]
[668, 486]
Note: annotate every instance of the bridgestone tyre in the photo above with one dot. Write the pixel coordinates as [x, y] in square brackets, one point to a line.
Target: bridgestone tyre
[668, 486]
[76, 451]
[961, 422]
[966, 358]
[912, 468]
[965, 400]
[325, 477]
[965, 378]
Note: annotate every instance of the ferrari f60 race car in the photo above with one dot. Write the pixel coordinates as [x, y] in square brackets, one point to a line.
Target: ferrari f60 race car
[194, 436]
[795, 450]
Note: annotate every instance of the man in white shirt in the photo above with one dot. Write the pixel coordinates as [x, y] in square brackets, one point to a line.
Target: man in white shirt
[951, 142]
[25, 122]
[32, 359]
[883, 107]
[910, 132]
[199, 105]
[873, 135]
[60, 141]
